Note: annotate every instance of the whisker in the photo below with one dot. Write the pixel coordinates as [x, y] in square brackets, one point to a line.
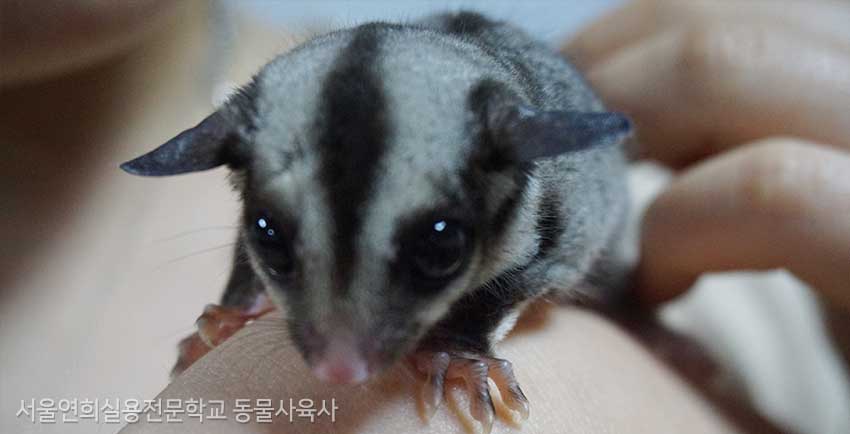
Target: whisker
[195, 253]
[194, 231]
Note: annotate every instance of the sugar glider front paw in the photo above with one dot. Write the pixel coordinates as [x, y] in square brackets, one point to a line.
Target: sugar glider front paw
[215, 325]
[474, 370]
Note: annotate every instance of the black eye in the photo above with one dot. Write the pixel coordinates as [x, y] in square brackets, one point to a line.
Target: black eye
[274, 246]
[266, 232]
[439, 250]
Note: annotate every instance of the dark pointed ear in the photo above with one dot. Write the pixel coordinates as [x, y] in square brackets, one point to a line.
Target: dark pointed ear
[517, 133]
[203, 147]
[528, 135]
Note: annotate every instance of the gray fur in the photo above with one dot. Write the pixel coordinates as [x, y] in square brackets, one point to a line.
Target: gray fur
[556, 216]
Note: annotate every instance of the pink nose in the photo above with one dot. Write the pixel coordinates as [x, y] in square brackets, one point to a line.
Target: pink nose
[341, 363]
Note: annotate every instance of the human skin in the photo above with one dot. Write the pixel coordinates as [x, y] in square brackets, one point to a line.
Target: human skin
[752, 102]
[54, 37]
[581, 373]
[761, 142]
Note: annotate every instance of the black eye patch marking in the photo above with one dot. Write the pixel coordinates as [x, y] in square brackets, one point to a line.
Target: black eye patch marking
[273, 242]
[433, 251]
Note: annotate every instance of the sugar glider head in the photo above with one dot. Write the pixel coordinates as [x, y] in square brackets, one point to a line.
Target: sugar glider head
[372, 164]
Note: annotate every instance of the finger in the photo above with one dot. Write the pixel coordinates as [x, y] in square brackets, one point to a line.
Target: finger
[779, 203]
[612, 32]
[641, 19]
[697, 91]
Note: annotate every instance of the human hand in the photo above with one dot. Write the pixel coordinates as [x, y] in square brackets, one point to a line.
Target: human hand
[752, 101]
[50, 38]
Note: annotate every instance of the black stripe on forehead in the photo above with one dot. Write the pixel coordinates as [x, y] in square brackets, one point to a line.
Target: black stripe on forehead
[467, 23]
[352, 128]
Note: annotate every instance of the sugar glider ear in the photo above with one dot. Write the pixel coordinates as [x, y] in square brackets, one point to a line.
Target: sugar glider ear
[529, 135]
[522, 134]
[205, 146]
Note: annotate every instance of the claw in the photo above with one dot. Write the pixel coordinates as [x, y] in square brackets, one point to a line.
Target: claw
[475, 372]
[218, 323]
[432, 391]
[502, 373]
[215, 325]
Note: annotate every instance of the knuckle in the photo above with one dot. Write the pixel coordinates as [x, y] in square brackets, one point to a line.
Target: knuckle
[703, 54]
[775, 179]
[714, 56]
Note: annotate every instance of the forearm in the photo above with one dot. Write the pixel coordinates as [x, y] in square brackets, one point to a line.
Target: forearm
[580, 372]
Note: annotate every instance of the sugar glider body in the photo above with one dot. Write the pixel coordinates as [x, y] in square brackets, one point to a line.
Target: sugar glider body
[407, 189]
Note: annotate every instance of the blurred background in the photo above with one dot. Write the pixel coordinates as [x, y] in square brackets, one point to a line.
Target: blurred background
[101, 273]
[552, 21]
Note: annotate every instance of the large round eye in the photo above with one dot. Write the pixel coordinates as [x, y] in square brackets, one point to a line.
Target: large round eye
[440, 249]
[274, 247]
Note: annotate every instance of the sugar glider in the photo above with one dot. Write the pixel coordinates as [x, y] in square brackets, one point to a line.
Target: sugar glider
[408, 189]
